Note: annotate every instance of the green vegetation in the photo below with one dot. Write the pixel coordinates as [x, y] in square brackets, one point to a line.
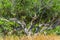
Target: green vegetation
[20, 17]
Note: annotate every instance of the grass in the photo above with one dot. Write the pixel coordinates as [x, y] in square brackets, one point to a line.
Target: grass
[35, 37]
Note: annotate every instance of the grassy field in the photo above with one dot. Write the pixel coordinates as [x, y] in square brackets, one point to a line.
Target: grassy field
[35, 37]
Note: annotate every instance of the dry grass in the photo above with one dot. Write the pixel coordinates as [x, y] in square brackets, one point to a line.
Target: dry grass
[35, 37]
[41, 37]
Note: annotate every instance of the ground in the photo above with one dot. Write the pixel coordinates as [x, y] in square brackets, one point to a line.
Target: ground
[34, 37]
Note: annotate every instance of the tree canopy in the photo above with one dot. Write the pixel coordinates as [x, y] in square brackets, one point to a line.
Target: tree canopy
[29, 16]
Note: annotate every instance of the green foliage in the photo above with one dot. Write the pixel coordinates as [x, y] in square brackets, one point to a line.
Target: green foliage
[57, 30]
[35, 11]
[54, 31]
